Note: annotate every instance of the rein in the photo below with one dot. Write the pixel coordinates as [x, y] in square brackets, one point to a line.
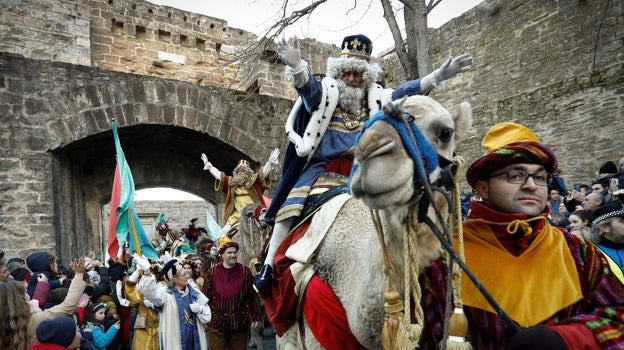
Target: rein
[442, 237]
[394, 335]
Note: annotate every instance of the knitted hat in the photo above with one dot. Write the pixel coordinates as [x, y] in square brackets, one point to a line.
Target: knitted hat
[607, 211]
[225, 243]
[357, 46]
[18, 260]
[171, 269]
[506, 144]
[608, 168]
[116, 270]
[60, 331]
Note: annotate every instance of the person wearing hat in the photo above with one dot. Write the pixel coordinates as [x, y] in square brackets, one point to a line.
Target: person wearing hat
[324, 123]
[607, 232]
[556, 288]
[20, 320]
[619, 176]
[56, 334]
[183, 309]
[233, 300]
[243, 188]
[44, 263]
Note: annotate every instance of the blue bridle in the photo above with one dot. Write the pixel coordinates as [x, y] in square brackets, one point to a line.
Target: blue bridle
[416, 144]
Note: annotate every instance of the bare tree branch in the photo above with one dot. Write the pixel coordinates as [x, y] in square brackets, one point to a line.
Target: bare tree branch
[412, 51]
[262, 48]
[399, 46]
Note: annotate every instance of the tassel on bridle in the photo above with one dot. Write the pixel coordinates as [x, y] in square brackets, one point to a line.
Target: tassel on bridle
[458, 323]
[393, 335]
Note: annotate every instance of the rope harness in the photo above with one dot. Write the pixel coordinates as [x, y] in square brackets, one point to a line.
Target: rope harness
[398, 331]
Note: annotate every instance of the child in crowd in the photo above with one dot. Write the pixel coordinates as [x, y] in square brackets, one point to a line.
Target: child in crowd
[98, 327]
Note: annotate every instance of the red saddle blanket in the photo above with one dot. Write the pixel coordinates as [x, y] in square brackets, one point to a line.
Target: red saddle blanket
[320, 305]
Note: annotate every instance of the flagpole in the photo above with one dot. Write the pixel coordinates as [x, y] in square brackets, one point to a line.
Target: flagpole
[137, 247]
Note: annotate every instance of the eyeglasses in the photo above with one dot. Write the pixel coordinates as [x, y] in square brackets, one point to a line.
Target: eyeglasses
[520, 177]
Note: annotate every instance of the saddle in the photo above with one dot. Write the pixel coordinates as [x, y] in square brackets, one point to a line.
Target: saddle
[292, 270]
[316, 201]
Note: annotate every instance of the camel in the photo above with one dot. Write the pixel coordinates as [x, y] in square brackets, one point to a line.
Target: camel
[252, 235]
[349, 257]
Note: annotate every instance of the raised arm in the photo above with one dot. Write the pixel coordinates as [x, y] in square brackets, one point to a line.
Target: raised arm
[216, 173]
[296, 68]
[273, 160]
[447, 70]
[147, 284]
[76, 288]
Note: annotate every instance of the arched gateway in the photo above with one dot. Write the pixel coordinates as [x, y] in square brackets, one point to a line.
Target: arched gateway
[59, 147]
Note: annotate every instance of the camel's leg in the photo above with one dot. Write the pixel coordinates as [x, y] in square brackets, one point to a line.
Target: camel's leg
[257, 335]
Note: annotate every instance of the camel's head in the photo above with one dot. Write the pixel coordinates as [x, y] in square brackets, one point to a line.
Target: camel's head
[252, 234]
[413, 130]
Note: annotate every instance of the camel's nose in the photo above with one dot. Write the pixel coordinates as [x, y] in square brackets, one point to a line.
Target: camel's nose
[372, 144]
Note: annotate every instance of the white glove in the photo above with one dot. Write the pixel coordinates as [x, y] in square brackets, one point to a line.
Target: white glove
[165, 258]
[291, 55]
[207, 164]
[216, 173]
[141, 262]
[196, 308]
[148, 303]
[453, 66]
[274, 157]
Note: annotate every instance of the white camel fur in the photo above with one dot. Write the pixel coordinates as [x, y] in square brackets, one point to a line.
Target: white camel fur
[350, 258]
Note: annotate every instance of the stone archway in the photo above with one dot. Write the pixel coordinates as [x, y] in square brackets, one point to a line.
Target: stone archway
[60, 157]
[159, 156]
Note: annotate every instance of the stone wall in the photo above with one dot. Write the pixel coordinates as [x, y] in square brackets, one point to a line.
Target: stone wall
[49, 30]
[556, 66]
[179, 214]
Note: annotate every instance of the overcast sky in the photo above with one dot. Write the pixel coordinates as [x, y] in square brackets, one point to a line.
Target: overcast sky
[329, 23]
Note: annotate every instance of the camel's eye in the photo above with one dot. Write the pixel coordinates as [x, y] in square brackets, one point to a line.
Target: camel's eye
[408, 117]
[446, 134]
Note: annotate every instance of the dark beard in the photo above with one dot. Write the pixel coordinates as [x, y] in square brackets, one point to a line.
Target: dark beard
[350, 99]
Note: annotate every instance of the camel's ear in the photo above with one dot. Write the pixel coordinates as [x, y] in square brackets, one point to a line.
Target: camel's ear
[463, 120]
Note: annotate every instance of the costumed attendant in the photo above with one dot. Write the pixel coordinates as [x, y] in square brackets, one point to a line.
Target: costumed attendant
[234, 302]
[557, 291]
[183, 310]
[147, 318]
[323, 125]
[244, 187]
